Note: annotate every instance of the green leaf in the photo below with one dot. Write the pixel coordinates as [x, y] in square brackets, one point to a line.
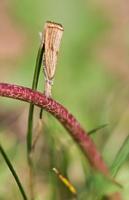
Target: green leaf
[121, 157]
[34, 87]
[11, 168]
[97, 129]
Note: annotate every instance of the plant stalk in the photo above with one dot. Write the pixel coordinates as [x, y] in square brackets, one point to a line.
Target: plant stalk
[30, 120]
[34, 87]
[10, 166]
[64, 117]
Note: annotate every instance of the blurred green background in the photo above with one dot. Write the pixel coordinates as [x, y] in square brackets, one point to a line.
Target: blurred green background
[92, 81]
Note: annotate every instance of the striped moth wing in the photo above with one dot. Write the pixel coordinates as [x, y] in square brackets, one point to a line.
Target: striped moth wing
[51, 38]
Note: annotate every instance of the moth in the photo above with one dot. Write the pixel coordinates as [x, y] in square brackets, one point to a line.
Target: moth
[52, 36]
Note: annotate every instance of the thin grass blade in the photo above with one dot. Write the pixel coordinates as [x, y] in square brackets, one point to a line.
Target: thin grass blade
[11, 168]
[97, 129]
[121, 157]
[34, 87]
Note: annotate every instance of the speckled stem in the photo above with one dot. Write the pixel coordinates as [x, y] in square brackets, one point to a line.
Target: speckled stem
[65, 118]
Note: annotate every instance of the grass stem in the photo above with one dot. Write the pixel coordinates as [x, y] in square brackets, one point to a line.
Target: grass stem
[34, 87]
[66, 119]
[30, 119]
[10, 166]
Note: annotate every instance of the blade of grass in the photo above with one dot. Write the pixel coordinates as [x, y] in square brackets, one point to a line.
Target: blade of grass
[97, 129]
[121, 157]
[34, 87]
[10, 166]
[30, 119]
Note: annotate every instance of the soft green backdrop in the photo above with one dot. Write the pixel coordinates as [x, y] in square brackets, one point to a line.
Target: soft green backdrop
[82, 83]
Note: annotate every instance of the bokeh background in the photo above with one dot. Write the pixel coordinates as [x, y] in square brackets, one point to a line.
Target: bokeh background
[92, 81]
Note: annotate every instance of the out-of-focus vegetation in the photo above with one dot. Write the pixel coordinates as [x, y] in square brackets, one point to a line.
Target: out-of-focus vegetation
[93, 88]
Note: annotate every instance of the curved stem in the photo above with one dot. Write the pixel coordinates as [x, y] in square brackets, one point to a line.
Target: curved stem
[63, 116]
[13, 173]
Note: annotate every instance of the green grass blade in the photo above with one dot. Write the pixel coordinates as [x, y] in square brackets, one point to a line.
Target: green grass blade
[13, 173]
[121, 157]
[97, 129]
[34, 87]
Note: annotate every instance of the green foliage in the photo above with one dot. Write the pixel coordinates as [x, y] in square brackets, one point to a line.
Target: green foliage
[121, 157]
[10, 166]
[97, 129]
[82, 84]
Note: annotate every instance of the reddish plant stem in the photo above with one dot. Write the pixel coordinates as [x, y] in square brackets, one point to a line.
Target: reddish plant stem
[64, 117]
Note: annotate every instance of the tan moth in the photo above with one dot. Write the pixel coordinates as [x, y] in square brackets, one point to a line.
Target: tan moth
[51, 39]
